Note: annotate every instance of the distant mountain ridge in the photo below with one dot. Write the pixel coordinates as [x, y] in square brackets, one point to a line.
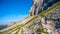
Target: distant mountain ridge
[2, 26]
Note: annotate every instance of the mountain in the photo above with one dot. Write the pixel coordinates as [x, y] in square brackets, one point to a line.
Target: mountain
[2, 26]
[43, 18]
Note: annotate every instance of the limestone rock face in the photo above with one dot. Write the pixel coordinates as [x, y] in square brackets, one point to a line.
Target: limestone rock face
[37, 5]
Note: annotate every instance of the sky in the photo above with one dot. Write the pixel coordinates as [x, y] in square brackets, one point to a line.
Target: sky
[14, 10]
